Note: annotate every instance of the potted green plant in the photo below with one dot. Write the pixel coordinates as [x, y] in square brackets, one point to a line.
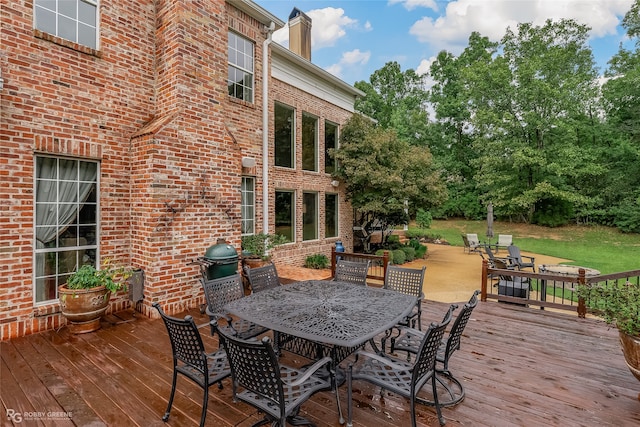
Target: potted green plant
[85, 296]
[258, 246]
[619, 305]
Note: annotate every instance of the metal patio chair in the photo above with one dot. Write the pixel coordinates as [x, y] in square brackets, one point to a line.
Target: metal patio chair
[262, 278]
[191, 360]
[410, 340]
[352, 272]
[399, 376]
[221, 291]
[273, 388]
[408, 281]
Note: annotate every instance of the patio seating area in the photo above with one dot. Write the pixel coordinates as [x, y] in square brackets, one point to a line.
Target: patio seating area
[519, 366]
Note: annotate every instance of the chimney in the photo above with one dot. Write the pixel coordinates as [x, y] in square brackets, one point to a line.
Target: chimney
[300, 33]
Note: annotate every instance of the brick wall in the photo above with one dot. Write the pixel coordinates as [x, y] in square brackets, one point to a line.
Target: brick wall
[64, 99]
[151, 105]
[300, 181]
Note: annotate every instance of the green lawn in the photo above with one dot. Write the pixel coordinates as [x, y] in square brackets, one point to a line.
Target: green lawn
[603, 248]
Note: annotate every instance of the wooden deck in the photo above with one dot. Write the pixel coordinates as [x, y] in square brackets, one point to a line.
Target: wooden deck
[520, 367]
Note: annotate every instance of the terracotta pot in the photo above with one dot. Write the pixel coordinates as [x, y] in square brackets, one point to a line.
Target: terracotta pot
[83, 308]
[255, 262]
[631, 350]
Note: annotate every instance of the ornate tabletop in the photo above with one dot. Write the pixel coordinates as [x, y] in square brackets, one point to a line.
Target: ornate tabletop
[330, 312]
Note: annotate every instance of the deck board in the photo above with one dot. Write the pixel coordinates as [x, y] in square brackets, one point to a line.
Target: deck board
[520, 367]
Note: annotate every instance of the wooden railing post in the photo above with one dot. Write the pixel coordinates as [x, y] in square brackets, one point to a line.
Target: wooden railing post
[485, 272]
[385, 263]
[333, 261]
[582, 307]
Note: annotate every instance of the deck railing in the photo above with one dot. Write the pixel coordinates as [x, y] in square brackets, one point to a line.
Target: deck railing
[377, 268]
[546, 290]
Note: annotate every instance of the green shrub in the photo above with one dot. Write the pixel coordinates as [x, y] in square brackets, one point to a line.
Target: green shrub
[421, 252]
[380, 252]
[418, 233]
[415, 243]
[399, 257]
[317, 261]
[423, 218]
[409, 253]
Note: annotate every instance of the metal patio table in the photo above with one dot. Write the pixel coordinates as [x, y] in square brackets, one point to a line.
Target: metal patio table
[337, 314]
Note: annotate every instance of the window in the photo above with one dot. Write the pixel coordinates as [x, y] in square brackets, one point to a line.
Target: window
[285, 204]
[309, 142]
[331, 215]
[248, 205]
[240, 79]
[74, 20]
[309, 216]
[283, 134]
[330, 141]
[66, 229]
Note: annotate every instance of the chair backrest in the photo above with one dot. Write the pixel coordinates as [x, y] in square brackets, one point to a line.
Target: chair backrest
[473, 239]
[219, 292]
[406, 280]
[455, 334]
[465, 240]
[514, 252]
[505, 239]
[254, 366]
[262, 278]
[352, 271]
[186, 342]
[426, 358]
[490, 253]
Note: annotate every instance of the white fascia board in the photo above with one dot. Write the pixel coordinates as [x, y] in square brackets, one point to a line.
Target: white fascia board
[296, 71]
[255, 11]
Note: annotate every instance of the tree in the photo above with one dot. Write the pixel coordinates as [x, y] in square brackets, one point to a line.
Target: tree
[382, 171]
[528, 111]
[453, 149]
[621, 94]
[396, 100]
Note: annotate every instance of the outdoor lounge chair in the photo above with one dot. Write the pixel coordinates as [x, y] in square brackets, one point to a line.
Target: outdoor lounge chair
[471, 242]
[504, 241]
[508, 262]
[521, 261]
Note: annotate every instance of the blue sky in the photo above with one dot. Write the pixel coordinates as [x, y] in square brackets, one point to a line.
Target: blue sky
[353, 38]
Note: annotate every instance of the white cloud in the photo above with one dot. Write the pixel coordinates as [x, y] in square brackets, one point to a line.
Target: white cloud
[354, 58]
[424, 66]
[414, 4]
[328, 26]
[491, 18]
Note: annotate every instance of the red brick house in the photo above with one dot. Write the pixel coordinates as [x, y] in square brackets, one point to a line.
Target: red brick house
[137, 131]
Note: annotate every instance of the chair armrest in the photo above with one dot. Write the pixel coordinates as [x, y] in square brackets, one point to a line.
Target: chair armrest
[532, 259]
[310, 371]
[393, 364]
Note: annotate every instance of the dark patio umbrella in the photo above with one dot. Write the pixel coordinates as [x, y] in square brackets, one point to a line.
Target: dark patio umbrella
[490, 220]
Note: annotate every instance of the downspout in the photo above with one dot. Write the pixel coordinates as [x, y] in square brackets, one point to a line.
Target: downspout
[265, 127]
